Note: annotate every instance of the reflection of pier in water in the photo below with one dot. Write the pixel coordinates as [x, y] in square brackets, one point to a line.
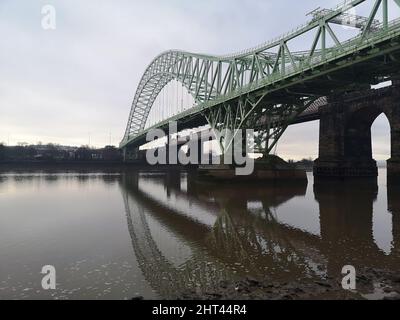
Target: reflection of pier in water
[223, 232]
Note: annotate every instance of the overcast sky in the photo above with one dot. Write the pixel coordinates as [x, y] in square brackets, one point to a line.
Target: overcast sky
[77, 82]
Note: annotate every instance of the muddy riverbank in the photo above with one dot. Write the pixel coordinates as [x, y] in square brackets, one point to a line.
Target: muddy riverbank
[372, 284]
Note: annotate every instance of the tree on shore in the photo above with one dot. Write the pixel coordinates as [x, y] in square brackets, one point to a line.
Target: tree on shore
[83, 153]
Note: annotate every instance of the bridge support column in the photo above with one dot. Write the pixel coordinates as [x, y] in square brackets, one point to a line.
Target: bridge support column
[343, 151]
[393, 164]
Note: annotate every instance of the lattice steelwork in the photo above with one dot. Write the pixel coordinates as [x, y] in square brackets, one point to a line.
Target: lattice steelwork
[271, 80]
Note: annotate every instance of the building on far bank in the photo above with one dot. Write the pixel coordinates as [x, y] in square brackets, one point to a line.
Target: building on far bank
[53, 152]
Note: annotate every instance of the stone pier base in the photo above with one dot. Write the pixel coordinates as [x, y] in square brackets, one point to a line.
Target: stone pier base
[345, 169]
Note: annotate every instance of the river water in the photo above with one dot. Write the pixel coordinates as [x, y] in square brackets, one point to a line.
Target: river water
[118, 235]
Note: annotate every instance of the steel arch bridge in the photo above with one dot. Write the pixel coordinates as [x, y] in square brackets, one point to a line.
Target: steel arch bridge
[273, 81]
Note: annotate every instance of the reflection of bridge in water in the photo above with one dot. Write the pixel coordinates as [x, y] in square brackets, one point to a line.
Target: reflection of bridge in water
[229, 237]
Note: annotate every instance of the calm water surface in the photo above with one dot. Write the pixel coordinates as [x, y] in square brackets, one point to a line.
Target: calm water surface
[120, 235]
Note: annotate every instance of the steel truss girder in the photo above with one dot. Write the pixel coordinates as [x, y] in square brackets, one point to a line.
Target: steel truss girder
[268, 120]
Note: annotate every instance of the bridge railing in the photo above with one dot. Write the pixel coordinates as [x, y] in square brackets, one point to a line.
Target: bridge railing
[276, 40]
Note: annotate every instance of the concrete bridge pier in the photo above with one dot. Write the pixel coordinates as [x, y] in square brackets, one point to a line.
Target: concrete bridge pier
[345, 147]
[343, 152]
[393, 164]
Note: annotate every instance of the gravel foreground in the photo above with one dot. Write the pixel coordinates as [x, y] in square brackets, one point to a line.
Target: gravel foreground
[372, 284]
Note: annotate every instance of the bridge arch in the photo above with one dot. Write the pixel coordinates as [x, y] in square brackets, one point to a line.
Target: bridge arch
[157, 75]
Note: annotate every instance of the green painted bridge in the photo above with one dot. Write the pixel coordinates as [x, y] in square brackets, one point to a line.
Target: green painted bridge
[273, 81]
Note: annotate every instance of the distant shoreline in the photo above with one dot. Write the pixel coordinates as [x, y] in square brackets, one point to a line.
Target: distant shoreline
[44, 163]
[87, 165]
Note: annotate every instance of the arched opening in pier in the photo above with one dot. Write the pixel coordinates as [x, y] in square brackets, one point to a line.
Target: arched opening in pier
[367, 137]
[380, 137]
